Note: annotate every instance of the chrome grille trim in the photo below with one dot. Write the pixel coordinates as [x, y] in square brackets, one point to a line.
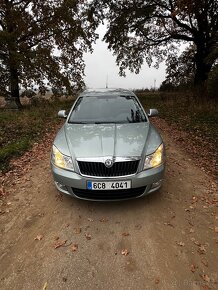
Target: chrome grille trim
[104, 158]
[95, 167]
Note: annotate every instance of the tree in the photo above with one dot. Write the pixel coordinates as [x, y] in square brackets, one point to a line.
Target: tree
[43, 41]
[166, 86]
[213, 82]
[181, 69]
[151, 29]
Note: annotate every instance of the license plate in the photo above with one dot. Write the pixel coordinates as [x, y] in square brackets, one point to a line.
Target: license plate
[108, 185]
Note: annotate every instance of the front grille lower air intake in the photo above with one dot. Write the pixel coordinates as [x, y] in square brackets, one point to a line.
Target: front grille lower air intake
[99, 169]
[109, 194]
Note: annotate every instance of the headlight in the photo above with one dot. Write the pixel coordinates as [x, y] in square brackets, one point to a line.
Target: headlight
[61, 160]
[155, 159]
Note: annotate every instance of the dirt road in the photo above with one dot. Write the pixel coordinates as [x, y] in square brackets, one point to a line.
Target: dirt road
[167, 240]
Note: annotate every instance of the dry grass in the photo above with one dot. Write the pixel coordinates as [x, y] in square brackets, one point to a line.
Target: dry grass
[198, 118]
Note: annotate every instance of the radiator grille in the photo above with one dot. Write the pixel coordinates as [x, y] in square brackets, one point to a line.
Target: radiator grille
[99, 169]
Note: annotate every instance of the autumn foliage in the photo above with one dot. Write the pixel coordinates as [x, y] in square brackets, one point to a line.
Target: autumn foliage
[42, 43]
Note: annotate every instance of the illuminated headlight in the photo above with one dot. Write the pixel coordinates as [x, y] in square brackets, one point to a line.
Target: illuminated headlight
[155, 159]
[61, 160]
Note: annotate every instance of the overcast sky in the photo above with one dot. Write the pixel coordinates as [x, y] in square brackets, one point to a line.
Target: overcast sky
[101, 63]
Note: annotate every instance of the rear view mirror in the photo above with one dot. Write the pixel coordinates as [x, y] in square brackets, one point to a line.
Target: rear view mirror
[62, 114]
[153, 113]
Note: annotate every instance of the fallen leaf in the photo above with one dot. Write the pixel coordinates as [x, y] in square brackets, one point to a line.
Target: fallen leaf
[205, 277]
[38, 237]
[59, 244]
[216, 229]
[125, 252]
[190, 222]
[193, 268]
[138, 227]
[194, 199]
[77, 231]
[2, 192]
[104, 220]
[181, 244]
[206, 287]
[45, 286]
[201, 250]
[197, 243]
[74, 247]
[157, 281]
[88, 237]
[204, 262]
[125, 234]
[169, 224]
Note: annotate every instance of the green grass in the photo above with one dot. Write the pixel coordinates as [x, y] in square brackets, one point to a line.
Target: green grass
[20, 129]
[14, 149]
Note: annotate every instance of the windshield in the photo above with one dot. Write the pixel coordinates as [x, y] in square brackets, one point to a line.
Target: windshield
[107, 109]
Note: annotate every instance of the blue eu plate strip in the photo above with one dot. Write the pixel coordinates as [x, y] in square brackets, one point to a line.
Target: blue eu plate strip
[89, 185]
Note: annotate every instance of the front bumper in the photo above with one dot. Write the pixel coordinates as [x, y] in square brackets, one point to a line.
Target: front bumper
[71, 183]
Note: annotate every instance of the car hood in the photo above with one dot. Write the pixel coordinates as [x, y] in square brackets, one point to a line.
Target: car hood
[98, 140]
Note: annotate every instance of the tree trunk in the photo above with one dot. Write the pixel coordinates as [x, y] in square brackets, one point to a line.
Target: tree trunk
[14, 101]
[14, 82]
[201, 76]
[202, 71]
[202, 67]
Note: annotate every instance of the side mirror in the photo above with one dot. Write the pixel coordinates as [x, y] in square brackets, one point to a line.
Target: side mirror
[62, 114]
[152, 113]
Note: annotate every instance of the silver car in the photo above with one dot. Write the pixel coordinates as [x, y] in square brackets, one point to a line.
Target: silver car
[107, 149]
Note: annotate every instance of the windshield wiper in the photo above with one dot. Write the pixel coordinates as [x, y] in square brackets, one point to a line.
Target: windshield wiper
[78, 122]
[104, 122]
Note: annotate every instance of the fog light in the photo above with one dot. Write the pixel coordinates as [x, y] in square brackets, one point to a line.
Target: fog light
[157, 184]
[61, 187]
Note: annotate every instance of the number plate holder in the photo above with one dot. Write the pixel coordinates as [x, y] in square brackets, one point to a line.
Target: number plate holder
[109, 185]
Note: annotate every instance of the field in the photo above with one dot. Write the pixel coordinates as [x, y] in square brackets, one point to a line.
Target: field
[194, 124]
[20, 129]
[189, 114]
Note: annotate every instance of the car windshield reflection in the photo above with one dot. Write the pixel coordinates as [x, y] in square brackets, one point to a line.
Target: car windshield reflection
[107, 110]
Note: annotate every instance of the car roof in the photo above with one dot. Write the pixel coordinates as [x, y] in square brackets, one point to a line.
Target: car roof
[106, 92]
